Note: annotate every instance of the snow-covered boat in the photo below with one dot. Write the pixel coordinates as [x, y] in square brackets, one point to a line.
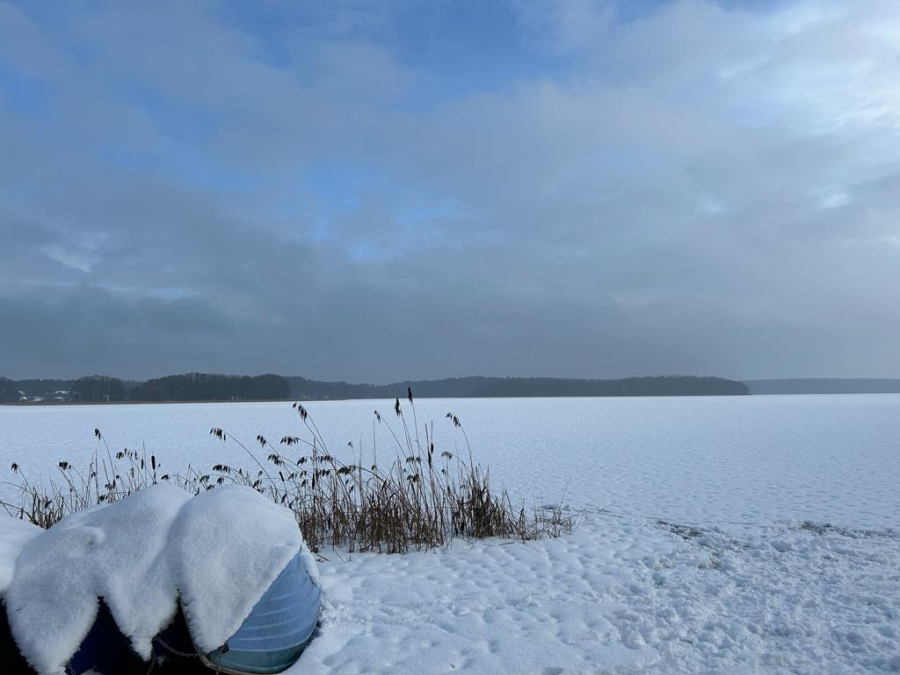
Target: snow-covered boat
[157, 577]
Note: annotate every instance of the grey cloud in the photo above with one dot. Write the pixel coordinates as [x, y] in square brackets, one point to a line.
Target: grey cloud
[86, 330]
[694, 193]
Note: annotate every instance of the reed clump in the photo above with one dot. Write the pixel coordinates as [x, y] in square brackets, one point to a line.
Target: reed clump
[421, 499]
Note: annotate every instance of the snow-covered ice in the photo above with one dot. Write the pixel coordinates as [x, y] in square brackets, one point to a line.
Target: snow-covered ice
[217, 552]
[719, 535]
[742, 458]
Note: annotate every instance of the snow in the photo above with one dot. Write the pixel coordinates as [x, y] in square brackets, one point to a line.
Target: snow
[619, 595]
[116, 552]
[14, 534]
[779, 552]
[218, 552]
[756, 459]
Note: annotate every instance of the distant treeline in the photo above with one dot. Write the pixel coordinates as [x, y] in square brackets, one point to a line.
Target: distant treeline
[16, 390]
[209, 387]
[204, 387]
[188, 387]
[825, 386]
[489, 387]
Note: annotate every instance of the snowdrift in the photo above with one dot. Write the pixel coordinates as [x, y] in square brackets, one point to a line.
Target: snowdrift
[147, 560]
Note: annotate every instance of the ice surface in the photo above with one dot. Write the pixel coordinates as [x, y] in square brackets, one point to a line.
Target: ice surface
[218, 552]
[734, 581]
[760, 459]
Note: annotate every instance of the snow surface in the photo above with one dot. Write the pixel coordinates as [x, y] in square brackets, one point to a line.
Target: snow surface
[619, 595]
[218, 552]
[734, 583]
[759, 459]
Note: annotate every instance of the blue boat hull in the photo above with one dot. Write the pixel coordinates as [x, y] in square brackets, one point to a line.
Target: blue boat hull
[105, 649]
[278, 629]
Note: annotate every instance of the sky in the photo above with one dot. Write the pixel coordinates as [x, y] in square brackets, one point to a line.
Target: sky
[382, 190]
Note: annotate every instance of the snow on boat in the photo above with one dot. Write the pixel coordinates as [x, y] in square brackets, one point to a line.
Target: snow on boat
[227, 570]
[14, 535]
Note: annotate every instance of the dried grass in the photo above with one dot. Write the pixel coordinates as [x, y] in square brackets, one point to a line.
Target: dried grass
[421, 500]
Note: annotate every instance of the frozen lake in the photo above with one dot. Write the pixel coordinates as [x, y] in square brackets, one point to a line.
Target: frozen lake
[745, 588]
[708, 461]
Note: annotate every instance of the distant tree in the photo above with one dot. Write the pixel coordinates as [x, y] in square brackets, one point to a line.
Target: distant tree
[149, 391]
[209, 387]
[9, 390]
[98, 388]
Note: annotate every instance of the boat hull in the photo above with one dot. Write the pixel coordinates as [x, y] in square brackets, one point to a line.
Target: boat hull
[277, 630]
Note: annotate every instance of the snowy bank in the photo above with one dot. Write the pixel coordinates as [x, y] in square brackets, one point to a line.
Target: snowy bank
[216, 553]
[620, 595]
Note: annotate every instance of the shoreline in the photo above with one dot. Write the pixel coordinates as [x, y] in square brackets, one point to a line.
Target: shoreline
[27, 404]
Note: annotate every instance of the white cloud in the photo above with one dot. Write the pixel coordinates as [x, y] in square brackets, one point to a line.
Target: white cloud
[78, 260]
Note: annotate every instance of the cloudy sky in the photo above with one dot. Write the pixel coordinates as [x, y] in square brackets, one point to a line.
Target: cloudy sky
[373, 191]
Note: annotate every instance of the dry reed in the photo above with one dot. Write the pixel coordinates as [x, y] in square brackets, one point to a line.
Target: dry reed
[421, 500]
